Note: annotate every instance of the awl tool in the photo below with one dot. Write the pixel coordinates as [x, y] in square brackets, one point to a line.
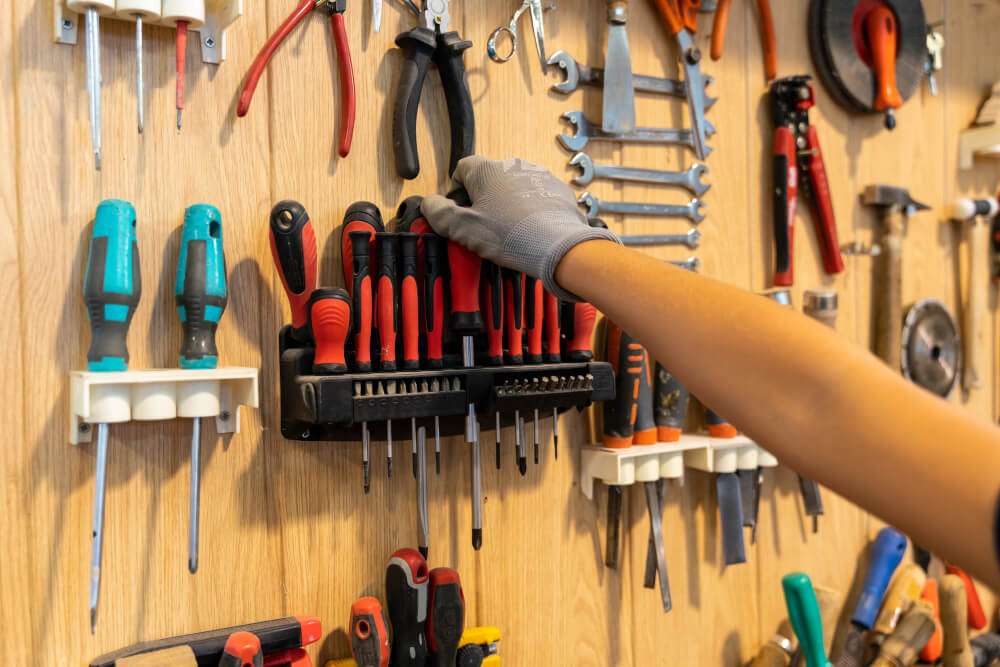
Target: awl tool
[112, 285]
[201, 294]
[618, 111]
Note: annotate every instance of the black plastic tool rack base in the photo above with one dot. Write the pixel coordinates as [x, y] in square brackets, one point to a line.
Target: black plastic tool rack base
[333, 407]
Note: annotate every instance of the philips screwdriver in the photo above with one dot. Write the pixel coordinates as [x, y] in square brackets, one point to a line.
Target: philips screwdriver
[293, 249]
[201, 294]
[387, 316]
[112, 285]
[406, 580]
[513, 302]
[466, 320]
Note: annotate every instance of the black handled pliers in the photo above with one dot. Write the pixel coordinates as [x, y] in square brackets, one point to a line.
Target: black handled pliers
[421, 45]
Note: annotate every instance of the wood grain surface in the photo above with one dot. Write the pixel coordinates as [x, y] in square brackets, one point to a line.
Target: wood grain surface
[285, 527]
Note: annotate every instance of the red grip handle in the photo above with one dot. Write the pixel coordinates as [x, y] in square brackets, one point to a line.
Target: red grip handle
[785, 200]
[346, 69]
[491, 286]
[534, 317]
[464, 267]
[293, 249]
[385, 298]
[553, 334]
[242, 649]
[931, 651]
[513, 301]
[411, 322]
[330, 319]
[977, 617]
[433, 307]
[880, 28]
[272, 44]
[580, 346]
[826, 222]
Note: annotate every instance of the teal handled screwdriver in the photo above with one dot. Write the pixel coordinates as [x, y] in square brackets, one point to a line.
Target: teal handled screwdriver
[201, 296]
[803, 612]
[111, 289]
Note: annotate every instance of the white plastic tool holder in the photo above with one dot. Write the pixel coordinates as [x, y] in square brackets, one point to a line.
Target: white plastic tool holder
[154, 395]
[211, 18]
[667, 460]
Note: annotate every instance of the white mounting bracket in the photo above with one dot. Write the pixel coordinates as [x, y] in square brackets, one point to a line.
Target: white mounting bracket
[153, 395]
[219, 15]
[667, 460]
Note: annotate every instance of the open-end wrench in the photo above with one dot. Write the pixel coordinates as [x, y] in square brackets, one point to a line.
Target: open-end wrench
[692, 239]
[577, 74]
[595, 207]
[691, 263]
[585, 131]
[690, 179]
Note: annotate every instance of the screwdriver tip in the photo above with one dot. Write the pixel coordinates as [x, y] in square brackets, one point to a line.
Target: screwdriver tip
[477, 538]
[180, 119]
[536, 453]
[193, 564]
[388, 468]
[414, 465]
[423, 551]
[522, 465]
[97, 161]
[437, 463]
[815, 524]
[93, 619]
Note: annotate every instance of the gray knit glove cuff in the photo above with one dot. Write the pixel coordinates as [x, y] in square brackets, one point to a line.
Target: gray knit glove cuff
[522, 217]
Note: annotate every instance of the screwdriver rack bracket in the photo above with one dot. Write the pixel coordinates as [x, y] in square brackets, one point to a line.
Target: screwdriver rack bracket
[667, 460]
[219, 15]
[153, 395]
[332, 407]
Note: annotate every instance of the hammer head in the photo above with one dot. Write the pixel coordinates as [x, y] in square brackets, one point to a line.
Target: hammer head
[887, 196]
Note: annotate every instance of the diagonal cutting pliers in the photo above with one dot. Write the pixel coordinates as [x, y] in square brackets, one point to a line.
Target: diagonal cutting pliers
[336, 9]
[421, 45]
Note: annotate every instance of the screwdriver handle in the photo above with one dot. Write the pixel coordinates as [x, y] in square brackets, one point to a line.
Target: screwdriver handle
[357, 252]
[625, 355]
[464, 268]
[977, 617]
[242, 649]
[385, 299]
[406, 580]
[435, 270]
[534, 318]
[112, 284]
[886, 555]
[717, 426]
[409, 296]
[293, 249]
[931, 651]
[445, 617]
[330, 322]
[200, 287]
[905, 587]
[369, 630]
[578, 331]
[553, 330]
[803, 612]
[645, 426]
[670, 405]
[491, 296]
[513, 301]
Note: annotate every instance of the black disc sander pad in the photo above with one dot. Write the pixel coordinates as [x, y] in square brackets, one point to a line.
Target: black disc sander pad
[841, 55]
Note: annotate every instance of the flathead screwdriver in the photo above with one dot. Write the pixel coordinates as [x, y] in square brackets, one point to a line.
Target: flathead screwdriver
[111, 288]
[92, 11]
[201, 295]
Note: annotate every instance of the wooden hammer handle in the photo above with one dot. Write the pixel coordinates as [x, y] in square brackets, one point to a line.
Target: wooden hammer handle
[889, 322]
[975, 347]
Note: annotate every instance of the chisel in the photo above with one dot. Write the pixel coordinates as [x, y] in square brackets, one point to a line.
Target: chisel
[369, 631]
[904, 590]
[112, 285]
[728, 496]
[200, 294]
[886, 554]
[406, 580]
[445, 616]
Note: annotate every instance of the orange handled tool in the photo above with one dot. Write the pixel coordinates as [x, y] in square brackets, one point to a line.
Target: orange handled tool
[931, 652]
[767, 38]
[369, 629]
[883, 40]
[242, 649]
[977, 617]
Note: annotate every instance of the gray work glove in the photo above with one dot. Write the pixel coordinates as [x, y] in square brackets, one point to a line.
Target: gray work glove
[521, 217]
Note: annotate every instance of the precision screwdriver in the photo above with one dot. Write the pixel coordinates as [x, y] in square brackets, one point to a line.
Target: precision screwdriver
[183, 14]
[201, 295]
[387, 318]
[534, 319]
[112, 285]
[139, 11]
[293, 249]
[553, 340]
[92, 11]
[466, 320]
[513, 301]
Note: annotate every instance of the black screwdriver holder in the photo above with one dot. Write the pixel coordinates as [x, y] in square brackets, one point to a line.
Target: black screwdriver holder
[333, 407]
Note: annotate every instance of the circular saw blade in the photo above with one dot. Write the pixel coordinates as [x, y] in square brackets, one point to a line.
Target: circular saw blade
[847, 78]
[931, 347]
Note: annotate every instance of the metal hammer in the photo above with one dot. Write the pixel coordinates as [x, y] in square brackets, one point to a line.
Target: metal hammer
[895, 206]
[977, 214]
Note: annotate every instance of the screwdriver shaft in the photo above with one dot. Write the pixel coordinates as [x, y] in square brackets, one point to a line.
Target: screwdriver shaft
[555, 432]
[98, 522]
[140, 89]
[472, 436]
[195, 495]
[93, 56]
[413, 444]
[522, 465]
[423, 527]
[536, 437]
[437, 445]
[366, 466]
[388, 442]
[498, 439]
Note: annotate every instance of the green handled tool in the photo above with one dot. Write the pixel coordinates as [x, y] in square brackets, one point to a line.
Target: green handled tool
[803, 612]
[111, 289]
[201, 296]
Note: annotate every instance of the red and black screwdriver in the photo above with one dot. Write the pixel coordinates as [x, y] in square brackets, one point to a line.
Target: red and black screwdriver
[553, 339]
[513, 301]
[409, 298]
[491, 296]
[387, 316]
[578, 334]
[293, 248]
[445, 616]
[406, 580]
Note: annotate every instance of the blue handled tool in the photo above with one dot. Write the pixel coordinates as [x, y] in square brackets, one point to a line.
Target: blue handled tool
[201, 296]
[803, 612]
[111, 289]
[886, 554]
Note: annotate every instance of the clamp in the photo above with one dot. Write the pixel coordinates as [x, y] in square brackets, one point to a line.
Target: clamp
[420, 46]
[798, 164]
[336, 9]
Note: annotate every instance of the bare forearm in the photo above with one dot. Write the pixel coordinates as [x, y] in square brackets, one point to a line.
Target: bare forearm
[827, 408]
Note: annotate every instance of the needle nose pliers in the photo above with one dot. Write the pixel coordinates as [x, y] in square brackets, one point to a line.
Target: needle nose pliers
[420, 46]
[336, 9]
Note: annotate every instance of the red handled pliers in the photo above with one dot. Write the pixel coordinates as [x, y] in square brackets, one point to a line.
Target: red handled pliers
[336, 10]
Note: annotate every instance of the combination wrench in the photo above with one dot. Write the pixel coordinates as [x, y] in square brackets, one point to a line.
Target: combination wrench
[585, 131]
[595, 207]
[589, 170]
[691, 239]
